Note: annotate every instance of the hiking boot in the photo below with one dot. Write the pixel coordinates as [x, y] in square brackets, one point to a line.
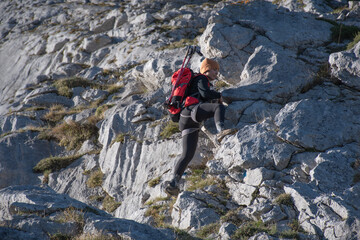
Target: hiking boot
[220, 136]
[171, 188]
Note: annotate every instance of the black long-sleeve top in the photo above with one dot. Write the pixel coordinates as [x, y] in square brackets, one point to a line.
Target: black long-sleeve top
[200, 88]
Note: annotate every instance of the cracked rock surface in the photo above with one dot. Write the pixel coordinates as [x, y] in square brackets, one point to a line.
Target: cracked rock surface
[102, 70]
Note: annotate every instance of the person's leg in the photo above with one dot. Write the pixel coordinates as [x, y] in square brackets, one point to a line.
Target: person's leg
[189, 144]
[190, 133]
[207, 110]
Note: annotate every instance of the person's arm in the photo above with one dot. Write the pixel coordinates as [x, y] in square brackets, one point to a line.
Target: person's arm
[205, 92]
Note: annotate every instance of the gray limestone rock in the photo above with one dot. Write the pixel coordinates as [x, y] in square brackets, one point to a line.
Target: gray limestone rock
[256, 146]
[43, 206]
[226, 230]
[19, 153]
[96, 42]
[297, 127]
[190, 212]
[48, 100]
[317, 125]
[346, 66]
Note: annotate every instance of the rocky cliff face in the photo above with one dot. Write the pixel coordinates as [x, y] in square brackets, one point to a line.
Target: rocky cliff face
[85, 143]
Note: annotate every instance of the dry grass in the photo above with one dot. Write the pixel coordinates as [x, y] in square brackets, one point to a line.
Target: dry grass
[95, 179]
[52, 164]
[109, 204]
[55, 114]
[169, 129]
[198, 180]
[102, 109]
[64, 86]
[154, 182]
[71, 134]
[284, 199]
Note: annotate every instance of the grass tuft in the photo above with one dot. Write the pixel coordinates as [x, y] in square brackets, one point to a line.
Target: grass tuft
[95, 179]
[205, 231]
[169, 129]
[249, 229]
[109, 204]
[102, 109]
[354, 42]
[71, 134]
[52, 164]
[64, 86]
[153, 182]
[119, 138]
[284, 199]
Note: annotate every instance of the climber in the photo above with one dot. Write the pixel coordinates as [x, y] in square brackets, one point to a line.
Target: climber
[210, 105]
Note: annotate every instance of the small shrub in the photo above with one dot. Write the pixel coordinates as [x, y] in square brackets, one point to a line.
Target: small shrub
[205, 231]
[71, 214]
[100, 110]
[284, 199]
[72, 134]
[56, 113]
[64, 86]
[156, 211]
[197, 180]
[95, 179]
[109, 204]
[249, 229]
[113, 88]
[170, 129]
[55, 163]
[153, 182]
[158, 208]
[119, 138]
[342, 32]
[233, 217]
[354, 42]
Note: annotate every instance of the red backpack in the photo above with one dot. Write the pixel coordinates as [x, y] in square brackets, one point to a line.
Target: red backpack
[180, 81]
[180, 87]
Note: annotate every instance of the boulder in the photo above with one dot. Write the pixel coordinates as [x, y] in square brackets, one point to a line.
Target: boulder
[107, 25]
[302, 124]
[96, 42]
[346, 66]
[48, 100]
[19, 153]
[190, 212]
[256, 146]
[42, 206]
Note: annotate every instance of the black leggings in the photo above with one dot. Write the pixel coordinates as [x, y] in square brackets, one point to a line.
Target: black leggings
[189, 140]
